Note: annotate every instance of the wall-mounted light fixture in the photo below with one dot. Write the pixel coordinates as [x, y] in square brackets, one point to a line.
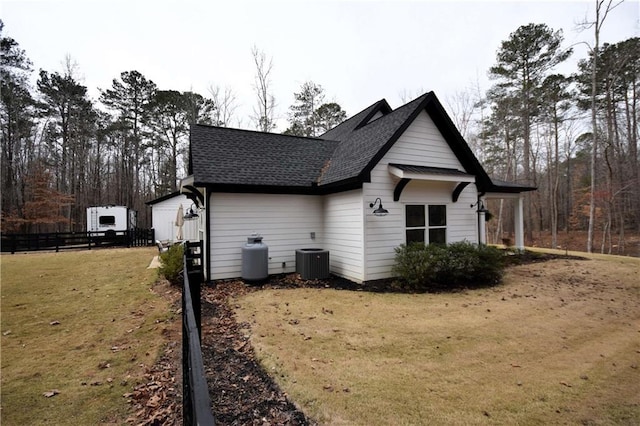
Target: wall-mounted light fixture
[380, 211]
[192, 213]
[481, 207]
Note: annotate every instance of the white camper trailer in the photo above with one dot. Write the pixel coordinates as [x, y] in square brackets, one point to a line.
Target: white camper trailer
[110, 218]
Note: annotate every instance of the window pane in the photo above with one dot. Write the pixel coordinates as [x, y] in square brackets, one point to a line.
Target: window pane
[415, 216]
[415, 236]
[107, 220]
[438, 236]
[437, 215]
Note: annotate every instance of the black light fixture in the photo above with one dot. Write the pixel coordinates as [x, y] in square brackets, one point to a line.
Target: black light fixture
[192, 213]
[380, 211]
[481, 207]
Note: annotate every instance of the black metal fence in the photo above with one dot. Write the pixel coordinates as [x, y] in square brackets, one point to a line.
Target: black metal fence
[196, 405]
[57, 241]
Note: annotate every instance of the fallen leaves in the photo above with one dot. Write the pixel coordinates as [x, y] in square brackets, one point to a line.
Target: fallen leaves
[156, 401]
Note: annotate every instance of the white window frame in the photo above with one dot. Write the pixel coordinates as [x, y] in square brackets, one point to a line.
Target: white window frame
[426, 227]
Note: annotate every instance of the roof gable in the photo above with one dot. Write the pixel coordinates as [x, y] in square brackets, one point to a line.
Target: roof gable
[366, 146]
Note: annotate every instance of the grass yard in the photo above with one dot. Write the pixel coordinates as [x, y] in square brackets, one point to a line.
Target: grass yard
[85, 324]
[557, 343]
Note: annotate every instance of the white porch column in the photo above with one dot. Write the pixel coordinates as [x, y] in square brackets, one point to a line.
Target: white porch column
[482, 228]
[519, 223]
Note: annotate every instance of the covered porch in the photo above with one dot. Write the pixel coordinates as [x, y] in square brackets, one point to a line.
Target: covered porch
[518, 217]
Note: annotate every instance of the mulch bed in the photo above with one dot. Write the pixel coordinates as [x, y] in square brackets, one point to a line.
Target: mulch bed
[241, 392]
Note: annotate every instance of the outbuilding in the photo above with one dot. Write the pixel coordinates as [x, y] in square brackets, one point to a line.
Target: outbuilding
[167, 219]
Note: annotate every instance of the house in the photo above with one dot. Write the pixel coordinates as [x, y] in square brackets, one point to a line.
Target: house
[164, 215]
[322, 192]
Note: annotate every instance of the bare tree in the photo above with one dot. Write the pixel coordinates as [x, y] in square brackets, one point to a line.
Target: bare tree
[462, 106]
[602, 11]
[225, 105]
[407, 96]
[266, 105]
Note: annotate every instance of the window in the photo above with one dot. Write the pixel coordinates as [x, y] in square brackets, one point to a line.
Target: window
[107, 220]
[426, 224]
[437, 224]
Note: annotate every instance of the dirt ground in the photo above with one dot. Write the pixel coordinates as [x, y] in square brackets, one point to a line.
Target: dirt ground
[242, 393]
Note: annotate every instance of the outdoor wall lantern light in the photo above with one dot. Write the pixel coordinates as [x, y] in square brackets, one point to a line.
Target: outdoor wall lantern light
[380, 211]
[481, 207]
[192, 213]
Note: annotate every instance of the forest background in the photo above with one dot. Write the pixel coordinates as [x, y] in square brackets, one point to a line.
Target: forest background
[573, 135]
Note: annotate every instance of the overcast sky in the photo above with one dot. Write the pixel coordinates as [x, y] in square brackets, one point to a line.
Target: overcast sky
[359, 51]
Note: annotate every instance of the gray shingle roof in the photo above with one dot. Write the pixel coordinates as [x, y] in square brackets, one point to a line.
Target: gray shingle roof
[240, 157]
[363, 145]
[345, 155]
[344, 129]
[513, 187]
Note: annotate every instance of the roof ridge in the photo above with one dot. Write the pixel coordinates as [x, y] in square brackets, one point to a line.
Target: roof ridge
[235, 129]
[356, 121]
[382, 103]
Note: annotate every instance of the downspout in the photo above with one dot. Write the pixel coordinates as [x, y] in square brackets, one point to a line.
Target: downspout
[207, 232]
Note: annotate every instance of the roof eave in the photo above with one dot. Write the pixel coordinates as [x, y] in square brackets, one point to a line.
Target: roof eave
[312, 189]
[510, 189]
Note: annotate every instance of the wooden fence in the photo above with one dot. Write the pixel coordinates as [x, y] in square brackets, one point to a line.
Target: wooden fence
[77, 240]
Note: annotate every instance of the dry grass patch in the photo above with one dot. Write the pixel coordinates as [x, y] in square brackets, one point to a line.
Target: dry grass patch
[83, 323]
[559, 342]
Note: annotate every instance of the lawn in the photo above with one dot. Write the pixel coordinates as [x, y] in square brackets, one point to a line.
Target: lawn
[557, 343]
[85, 324]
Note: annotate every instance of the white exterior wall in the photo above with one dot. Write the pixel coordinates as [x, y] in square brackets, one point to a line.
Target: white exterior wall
[423, 145]
[343, 234]
[163, 219]
[284, 221]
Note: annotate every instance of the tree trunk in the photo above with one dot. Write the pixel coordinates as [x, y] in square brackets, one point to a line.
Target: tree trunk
[594, 130]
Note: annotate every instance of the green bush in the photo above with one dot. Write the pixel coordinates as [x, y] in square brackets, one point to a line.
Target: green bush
[461, 264]
[172, 264]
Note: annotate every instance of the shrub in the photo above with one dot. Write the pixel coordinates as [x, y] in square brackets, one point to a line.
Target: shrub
[461, 264]
[172, 264]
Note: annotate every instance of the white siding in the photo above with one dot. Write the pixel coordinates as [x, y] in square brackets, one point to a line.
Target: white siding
[284, 221]
[163, 219]
[343, 226]
[421, 144]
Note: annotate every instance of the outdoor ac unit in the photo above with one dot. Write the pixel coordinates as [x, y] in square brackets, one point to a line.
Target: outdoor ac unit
[312, 263]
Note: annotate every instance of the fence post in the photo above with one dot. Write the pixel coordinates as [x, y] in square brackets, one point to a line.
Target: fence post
[193, 268]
